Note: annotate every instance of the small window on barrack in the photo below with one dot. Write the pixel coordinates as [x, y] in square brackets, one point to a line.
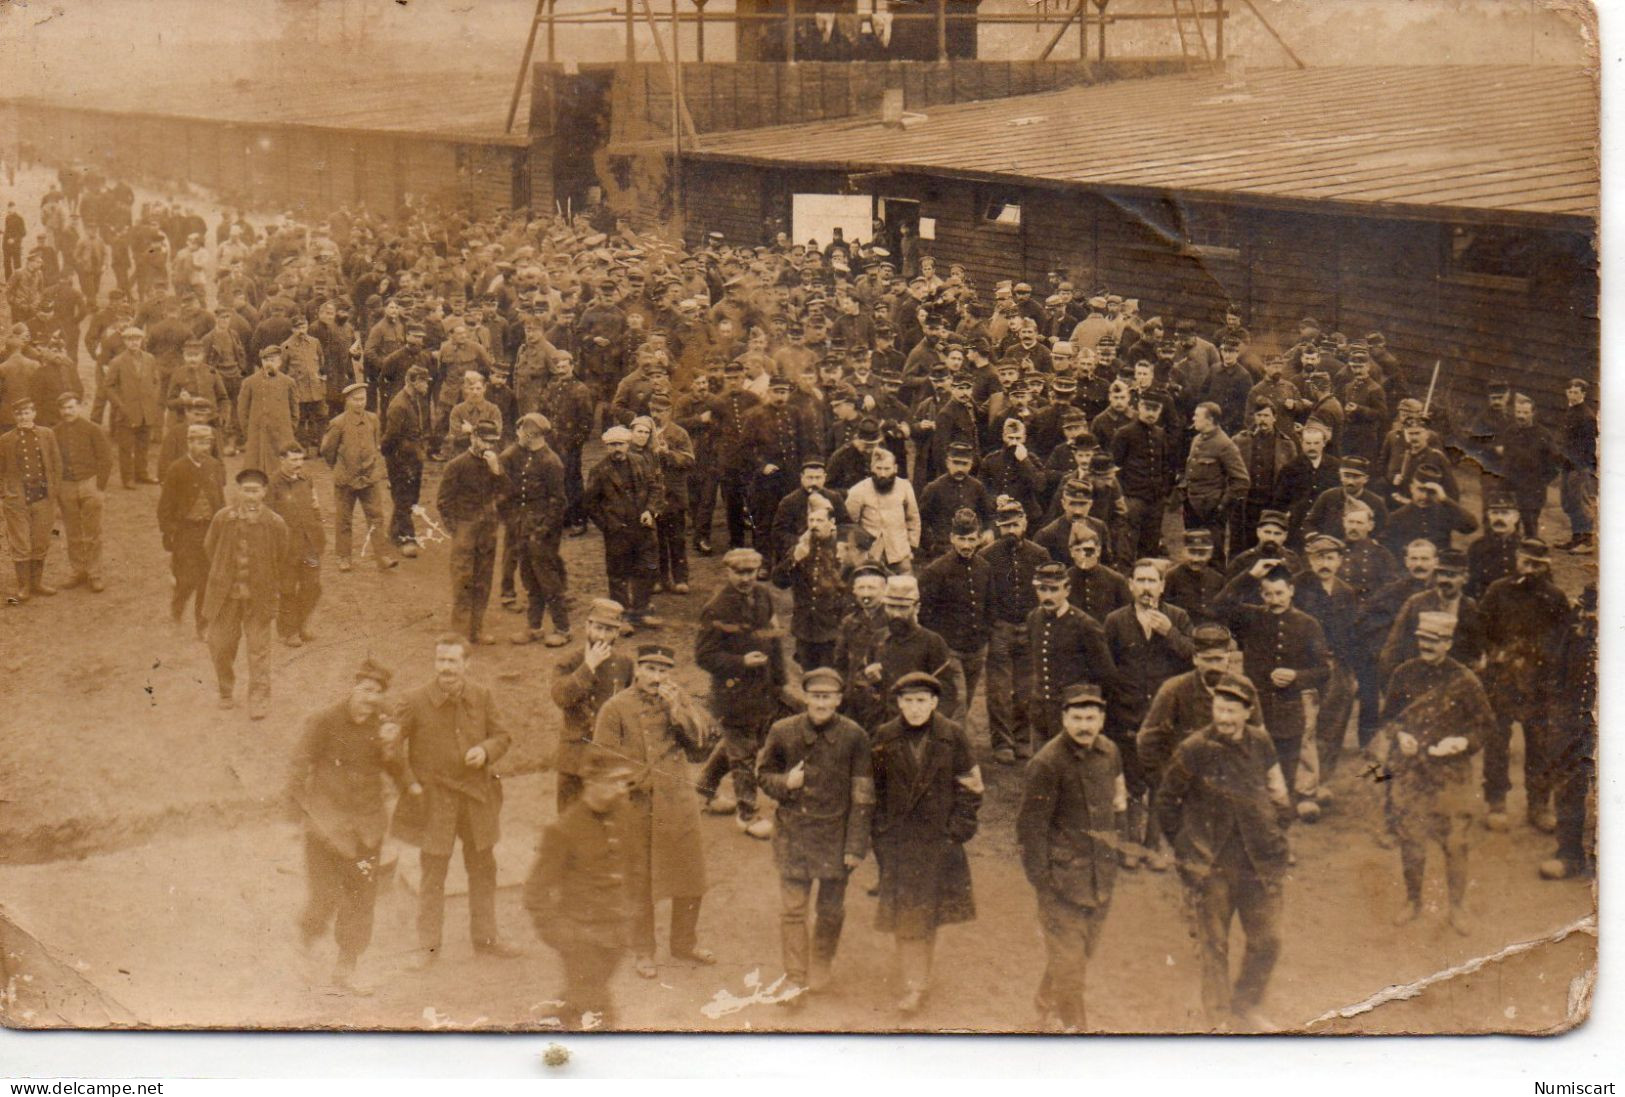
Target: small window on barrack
[1497, 256]
[1002, 209]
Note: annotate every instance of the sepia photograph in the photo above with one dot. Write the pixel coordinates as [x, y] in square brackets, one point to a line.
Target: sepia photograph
[806, 516]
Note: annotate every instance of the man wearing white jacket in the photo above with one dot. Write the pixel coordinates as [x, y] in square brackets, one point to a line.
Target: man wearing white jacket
[884, 506]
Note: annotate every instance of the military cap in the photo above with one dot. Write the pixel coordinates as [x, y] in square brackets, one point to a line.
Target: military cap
[917, 681]
[1499, 499]
[869, 429]
[938, 373]
[1229, 339]
[1453, 560]
[357, 386]
[962, 450]
[1008, 510]
[779, 381]
[1064, 382]
[616, 433]
[1273, 518]
[1322, 542]
[964, 523]
[869, 569]
[813, 463]
[1097, 302]
[204, 430]
[734, 369]
[1049, 574]
[822, 679]
[22, 403]
[1410, 405]
[962, 381]
[535, 419]
[1100, 463]
[1578, 383]
[1534, 548]
[371, 668]
[490, 429]
[272, 351]
[193, 343]
[1061, 349]
[254, 476]
[742, 559]
[416, 329]
[1077, 487]
[889, 376]
[1211, 636]
[657, 653]
[902, 590]
[1496, 386]
[1436, 625]
[1073, 416]
[66, 398]
[1198, 538]
[1358, 351]
[1153, 398]
[1429, 470]
[1359, 465]
[1083, 695]
[1238, 688]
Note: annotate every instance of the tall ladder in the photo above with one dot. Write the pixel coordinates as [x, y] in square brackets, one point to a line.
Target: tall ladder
[1188, 22]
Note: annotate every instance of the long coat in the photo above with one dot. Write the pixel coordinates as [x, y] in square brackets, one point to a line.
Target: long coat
[267, 410]
[923, 817]
[664, 832]
[828, 817]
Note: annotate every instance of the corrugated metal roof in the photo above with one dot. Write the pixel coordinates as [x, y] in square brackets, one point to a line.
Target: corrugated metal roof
[459, 106]
[1495, 139]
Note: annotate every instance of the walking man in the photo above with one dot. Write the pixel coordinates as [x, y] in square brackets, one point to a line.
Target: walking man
[351, 448]
[246, 545]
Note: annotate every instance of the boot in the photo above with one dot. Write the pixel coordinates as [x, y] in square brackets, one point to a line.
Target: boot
[1133, 836]
[40, 586]
[25, 581]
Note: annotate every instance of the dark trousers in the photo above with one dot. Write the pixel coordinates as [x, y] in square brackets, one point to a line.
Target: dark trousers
[568, 792]
[405, 484]
[473, 556]
[630, 560]
[829, 909]
[766, 491]
[301, 590]
[972, 663]
[1230, 891]
[588, 968]
[1009, 669]
[670, 529]
[815, 653]
[234, 625]
[541, 570]
[702, 495]
[132, 445]
[1287, 753]
[1071, 933]
[308, 430]
[342, 892]
[231, 429]
[735, 487]
[190, 566]
[1513, 699]
[1418, 827]
[685, 925]
[1576, 769]
[1144, 527]
[1368, 688]
[1530, 517]
[571, 459]
[736, 754]
[481, 866]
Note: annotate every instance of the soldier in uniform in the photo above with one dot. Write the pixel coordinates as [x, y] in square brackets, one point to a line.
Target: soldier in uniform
[859, 632]
[956, 600]
[1226, 807]
[87, 464]
[30, 485]
[652, 725]
[581, 684]
[577, 892]
[622, 498]
[453, 736]
[341, 770]
[351, 447]
[739, 647]
[135, 391]
[1013, 561]
[193, 492]
[928, 791]
[1435, 716]
[810, 566]
[470, 490]
[818, 768]
[1072, 794]
[1067, 646]
[293, 497]
[405, 443]
[267, 410]
[567, 403]
[1193, 583]
[533, 509]
[245, 545]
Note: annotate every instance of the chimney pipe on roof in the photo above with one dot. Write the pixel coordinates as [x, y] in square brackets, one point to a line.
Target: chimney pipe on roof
[891, 107]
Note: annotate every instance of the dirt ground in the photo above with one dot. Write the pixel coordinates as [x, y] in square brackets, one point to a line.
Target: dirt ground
[150, 877]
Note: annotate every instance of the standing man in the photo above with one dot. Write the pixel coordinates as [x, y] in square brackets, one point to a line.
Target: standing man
[653, 726]
[928, 790]
[622, 498]
[1435, 716]
[246, 545]
[1144, 456]
[1073, 794]
[810, 565]
[404, 445]
[267, 410]
[293, 497]
[1578, 443]
[193, 492]
[453, 736]
[87, 464]
[1215, 480]
[582, 683]
[351, 448]
[739, 648]
[30, 486]
[818, 768]
[1225, 804]
[135, 390]
[885, 507]
[470, 490]
[567, 403]
[339, 780]
[534, 517]
[1013, 563]
[956, 600]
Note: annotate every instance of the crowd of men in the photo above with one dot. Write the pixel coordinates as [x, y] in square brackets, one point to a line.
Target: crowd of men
[1187, 566]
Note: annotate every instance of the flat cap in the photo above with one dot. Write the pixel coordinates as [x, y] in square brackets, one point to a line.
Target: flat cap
[1277, 518]
[917, 681]
[1436, 625]
[616, 433]
[1049, 574]
[1237, 688]
[376, 671]
[657, 653]
[964, 523]
[742, 559]
[1323, 542]
[822, 679]
[606, 611]
[1211, 636]
[1083, 695]
[901, 590]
